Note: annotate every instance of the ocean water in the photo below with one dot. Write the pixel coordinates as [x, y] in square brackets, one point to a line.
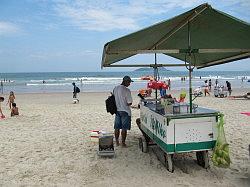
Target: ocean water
[105, 81]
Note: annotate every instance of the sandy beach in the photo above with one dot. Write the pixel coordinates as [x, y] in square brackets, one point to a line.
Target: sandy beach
[49, 145]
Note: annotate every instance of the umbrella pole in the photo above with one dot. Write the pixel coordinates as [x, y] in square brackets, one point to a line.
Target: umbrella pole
[190, 70]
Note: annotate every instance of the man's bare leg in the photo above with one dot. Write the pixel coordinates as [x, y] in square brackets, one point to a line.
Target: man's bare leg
[117, 133]
[124, 135]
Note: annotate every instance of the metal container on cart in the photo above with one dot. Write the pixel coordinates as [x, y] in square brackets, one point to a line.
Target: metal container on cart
[179, 133]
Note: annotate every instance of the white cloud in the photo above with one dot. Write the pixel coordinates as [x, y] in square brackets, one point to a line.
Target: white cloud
[49, 26]
[7, 28]
[101, 15]
[108, 15]
[96, 18]
[46, 55]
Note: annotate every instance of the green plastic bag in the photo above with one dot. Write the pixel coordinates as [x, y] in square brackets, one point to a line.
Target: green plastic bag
[220, 156]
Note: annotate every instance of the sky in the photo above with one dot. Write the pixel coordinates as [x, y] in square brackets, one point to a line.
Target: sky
[69, 35]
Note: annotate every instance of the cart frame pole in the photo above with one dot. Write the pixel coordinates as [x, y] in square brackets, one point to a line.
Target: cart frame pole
[156, 79]
[190, 89]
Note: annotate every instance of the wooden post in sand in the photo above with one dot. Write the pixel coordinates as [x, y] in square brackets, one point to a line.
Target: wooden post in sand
[2, 87]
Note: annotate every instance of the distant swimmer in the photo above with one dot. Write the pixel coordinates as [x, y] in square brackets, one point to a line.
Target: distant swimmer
[44, 82]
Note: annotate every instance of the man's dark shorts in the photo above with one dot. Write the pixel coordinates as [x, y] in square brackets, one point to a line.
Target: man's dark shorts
[122, 121]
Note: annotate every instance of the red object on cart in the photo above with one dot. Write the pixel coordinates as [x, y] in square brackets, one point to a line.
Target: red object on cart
[157, 85]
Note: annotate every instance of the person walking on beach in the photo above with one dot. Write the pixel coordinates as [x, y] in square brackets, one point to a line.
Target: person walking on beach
[216, 82]
[1, 112]
[229, 88]
[76, 90]
[210, 84]
[206, 89]
[123, 101]
[169, 84]
[11, 99]
[163, 91]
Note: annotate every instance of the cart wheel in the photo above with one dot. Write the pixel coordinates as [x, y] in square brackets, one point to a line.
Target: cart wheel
[169, 162]
[140, 143]
[202, 159]
[143, 145]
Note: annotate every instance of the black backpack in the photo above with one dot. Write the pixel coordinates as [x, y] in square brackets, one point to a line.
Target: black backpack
[111, 105]
[78, 90]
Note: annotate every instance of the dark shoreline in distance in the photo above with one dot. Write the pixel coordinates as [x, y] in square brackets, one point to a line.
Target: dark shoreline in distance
[151, 69]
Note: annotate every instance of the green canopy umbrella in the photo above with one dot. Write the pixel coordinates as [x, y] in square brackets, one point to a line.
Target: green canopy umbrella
[201, 37]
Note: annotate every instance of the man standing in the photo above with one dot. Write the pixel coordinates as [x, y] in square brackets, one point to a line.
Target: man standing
[75, 91]
[169, 84]
[210, 84]
[229, 88]
[206, 89]
[216, 83]
[123, 101]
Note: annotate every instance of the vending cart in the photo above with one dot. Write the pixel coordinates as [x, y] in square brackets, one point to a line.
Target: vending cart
[178, 132]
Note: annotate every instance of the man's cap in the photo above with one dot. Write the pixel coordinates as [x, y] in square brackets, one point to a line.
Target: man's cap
[127, 78]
